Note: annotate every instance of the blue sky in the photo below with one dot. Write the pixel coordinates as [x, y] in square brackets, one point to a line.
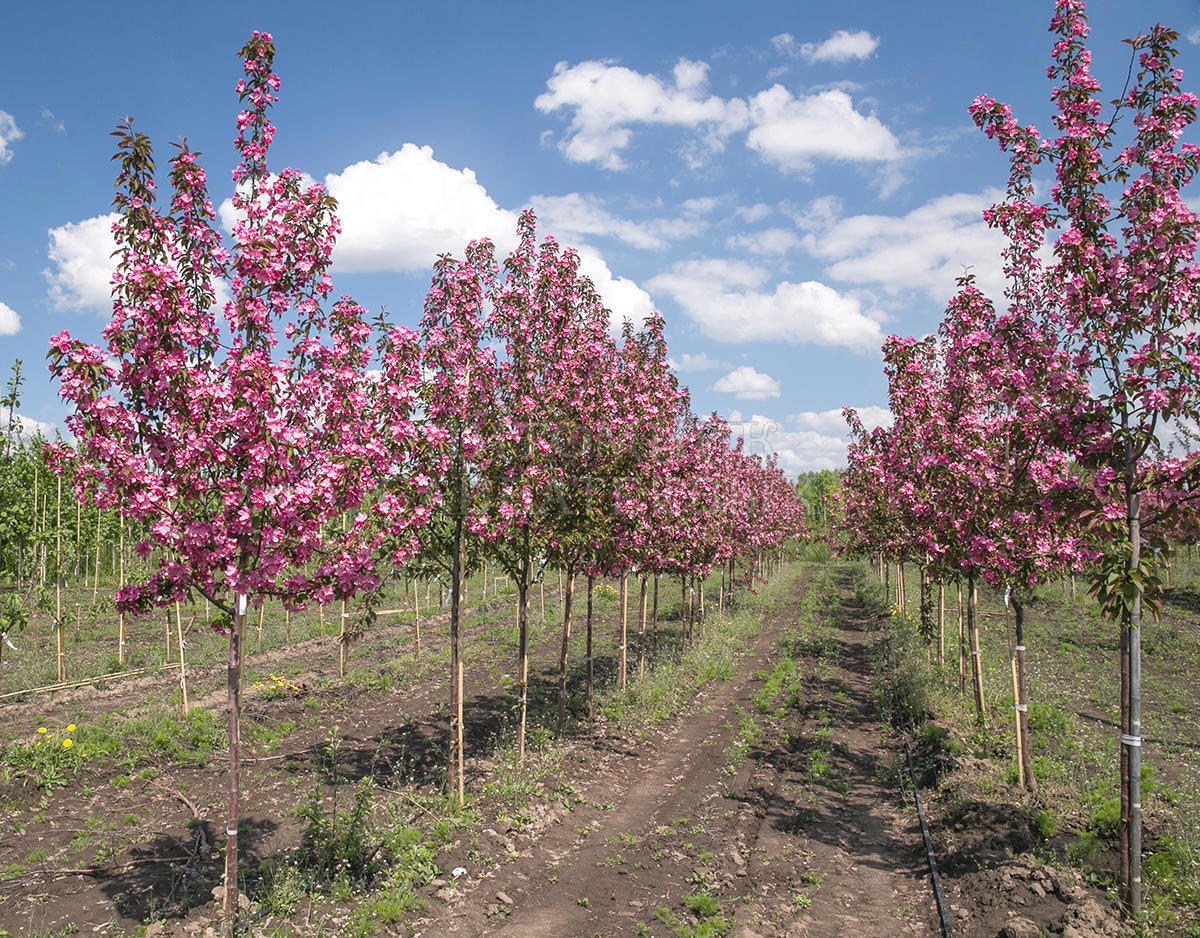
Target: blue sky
[786, 182]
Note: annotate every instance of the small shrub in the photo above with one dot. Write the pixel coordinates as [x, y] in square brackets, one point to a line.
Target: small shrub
[1045, 823]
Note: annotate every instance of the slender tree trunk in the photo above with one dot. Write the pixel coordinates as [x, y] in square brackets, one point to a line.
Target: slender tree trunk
[641, 637]
[121, 580]
[941, 655]
[1022, 695]
[683, 609]
[621, 656]
[233, 685]
[454, 776]
[1123, 837]
[654, 619]
[183, 698]
[1131, 742]
[567, 596]
[523, 658]
[343, 641]
[96, 568]
[976, 654]
[58, 617]
[962, 645]
[591, 581]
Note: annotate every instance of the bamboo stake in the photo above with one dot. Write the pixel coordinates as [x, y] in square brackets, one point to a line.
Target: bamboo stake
[621, 660]
[941, 657]
[121, 579]
[83, 682]
[654, 619]
[642, 629]
[342, 643]
[976, 652]
[58, 619]
[183, 701]
[962, 655]
[96, 568]
[75, 572]
[1017, 720]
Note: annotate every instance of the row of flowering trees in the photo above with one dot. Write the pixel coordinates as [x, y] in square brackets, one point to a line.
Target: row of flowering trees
[1029, 441]
[513, 428]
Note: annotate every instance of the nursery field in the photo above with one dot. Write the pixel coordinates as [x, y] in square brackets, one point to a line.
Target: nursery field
[745, 784]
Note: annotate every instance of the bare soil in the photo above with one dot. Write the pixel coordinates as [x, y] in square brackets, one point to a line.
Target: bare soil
[801, 825]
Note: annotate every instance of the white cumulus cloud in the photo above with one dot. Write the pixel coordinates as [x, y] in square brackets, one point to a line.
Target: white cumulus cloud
[924, 250]
[626, 301]
[9, 132]
[575, 215]
[30, 427]
[792, 132]
[842, 46]
[798, 450]
[723, 298]
[402, 209]
[82, 264]
[748, 384]
[703, 362]
[10, 322]
[606, 99]
[766, 241]
[833, 422]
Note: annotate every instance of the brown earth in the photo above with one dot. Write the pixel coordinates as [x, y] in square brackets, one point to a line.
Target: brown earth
[723, 820]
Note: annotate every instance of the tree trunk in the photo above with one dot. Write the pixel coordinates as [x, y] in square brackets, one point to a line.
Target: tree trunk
[941, 654]
[976, 654]
[962, 645]
[683, 609]
[567, 596]
[454, 779]
[1022, 696]
[621, 657]
[523, 659]
[641, 636]
[234, 703]
[1131, 706]
[589, 677]
[654, 619]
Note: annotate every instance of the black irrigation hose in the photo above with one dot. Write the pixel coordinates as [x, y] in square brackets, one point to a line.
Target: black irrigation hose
[947, 931]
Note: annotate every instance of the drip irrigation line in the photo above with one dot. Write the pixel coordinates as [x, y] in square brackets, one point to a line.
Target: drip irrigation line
[943, 912]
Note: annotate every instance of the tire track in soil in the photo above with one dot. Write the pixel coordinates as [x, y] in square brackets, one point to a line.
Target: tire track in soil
[661, 820]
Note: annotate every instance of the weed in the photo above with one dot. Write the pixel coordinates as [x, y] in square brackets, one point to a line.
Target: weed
[47, 758]
[1045, 823]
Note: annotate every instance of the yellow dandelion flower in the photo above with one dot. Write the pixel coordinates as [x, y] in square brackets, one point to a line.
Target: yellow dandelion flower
[42, 730]
[70, 727]
[67, 744]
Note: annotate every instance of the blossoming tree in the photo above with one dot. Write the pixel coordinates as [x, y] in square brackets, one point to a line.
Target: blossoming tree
[236, 431]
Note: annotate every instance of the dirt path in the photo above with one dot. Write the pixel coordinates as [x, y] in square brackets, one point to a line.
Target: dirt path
[784, 823]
